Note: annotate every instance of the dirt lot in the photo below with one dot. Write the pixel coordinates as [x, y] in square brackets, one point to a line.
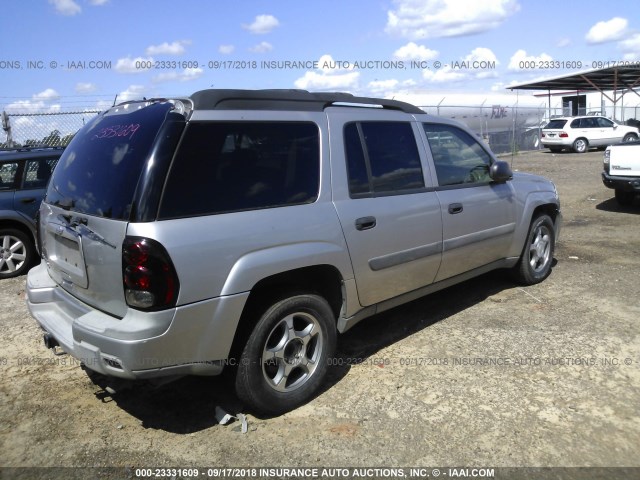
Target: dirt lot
[498, 375]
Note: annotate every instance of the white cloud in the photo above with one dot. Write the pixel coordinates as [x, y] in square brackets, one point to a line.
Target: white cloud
[226, 49]
[186, 75]
[378, 86]
[521, 56]
[262, 24]
[66, 7]
[133, 92]
[329, 76]
[608, 31]
[413, 51]
[262, 47]
[128, 64]
[631, 47]
[174, 48]
[419, 19]
[443, 75]
[82, 87]
[98, 3]
[563, 42]
[39, 103]
[47, 95]
[481, 55]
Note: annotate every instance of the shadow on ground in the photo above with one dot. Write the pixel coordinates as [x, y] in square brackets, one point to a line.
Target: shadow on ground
[188, 404]
[612, 205]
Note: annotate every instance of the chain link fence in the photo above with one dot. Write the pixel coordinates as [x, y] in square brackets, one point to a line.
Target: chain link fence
[42, 129]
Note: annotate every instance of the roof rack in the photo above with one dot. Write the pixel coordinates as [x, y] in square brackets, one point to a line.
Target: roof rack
[298, 100]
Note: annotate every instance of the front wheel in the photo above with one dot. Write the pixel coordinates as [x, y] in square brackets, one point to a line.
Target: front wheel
[16, 253]
[630, 137]
[285, 358]
[537, 256]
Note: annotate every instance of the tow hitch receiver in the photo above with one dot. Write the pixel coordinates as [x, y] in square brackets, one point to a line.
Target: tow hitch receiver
[52, 344]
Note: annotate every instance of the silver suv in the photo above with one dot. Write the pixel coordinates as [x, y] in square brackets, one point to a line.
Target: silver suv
[245, 229]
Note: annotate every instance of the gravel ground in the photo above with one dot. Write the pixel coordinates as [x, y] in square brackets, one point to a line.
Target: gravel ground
[483, 374]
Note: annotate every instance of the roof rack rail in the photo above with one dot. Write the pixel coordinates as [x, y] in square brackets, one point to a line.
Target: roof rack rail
[298, 100]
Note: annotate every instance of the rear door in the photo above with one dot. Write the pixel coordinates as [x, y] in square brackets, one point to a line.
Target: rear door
[388, 210]
[478, 216]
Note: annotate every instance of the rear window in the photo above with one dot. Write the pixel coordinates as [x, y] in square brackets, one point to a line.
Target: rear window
[232, 166]
[99, 170]
[555, 124]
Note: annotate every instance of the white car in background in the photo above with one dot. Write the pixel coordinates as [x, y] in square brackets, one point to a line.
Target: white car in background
[581, 133]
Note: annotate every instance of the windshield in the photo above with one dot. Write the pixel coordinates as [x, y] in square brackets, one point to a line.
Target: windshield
[99, 170]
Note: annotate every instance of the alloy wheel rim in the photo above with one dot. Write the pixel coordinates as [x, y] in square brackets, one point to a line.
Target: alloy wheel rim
[292, 352]
[13, 254]
[540, 249]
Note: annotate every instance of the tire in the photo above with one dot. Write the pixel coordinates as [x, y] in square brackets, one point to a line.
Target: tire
[285, 359]
[537, 255]
[17, 253]
[555, 149]
[624, 198]
[630, 137]
[581, 145]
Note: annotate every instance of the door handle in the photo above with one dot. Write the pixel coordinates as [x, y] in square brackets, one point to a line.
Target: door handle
[365, 223]
[28, 200]
[455, 208]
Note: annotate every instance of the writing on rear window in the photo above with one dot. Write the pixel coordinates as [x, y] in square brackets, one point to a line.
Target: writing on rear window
[127, 130]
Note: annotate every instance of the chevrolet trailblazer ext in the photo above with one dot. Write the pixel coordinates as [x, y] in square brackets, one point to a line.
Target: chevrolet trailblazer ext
[247, 228]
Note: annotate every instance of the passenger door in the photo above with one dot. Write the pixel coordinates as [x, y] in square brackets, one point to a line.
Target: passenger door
[384, 198]
[478, 216]
[34, 181]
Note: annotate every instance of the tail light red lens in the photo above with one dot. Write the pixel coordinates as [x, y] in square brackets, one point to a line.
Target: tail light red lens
[563, 135]
[149, 277]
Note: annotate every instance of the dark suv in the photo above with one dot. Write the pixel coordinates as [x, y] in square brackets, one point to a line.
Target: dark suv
[24, 174]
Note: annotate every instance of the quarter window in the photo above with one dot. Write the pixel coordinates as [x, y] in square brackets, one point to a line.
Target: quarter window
[459, 159]
[232, 166]
[382, 158]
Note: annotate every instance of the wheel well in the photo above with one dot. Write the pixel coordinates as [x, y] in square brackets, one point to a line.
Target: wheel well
[549, 209]
[323, 280]
[17, 226]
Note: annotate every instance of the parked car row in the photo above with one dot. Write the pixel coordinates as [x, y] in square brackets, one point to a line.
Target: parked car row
[24, 174]
[582, 133]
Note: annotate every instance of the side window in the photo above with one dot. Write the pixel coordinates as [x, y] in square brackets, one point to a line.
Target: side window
[8, 175]
[233, 166]
[577, 123]
[382, 158]
[604, 123]
[37, 173]
[458, 157]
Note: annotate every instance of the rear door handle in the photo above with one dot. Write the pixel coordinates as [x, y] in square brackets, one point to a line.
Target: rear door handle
[455, 208]
[28, 200]
[365, 223]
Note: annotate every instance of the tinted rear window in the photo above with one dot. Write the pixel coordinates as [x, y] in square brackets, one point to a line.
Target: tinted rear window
[99, 170]
[233, 166]
[553, 124]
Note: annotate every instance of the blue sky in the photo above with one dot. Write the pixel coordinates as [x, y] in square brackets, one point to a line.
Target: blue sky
[84, 52]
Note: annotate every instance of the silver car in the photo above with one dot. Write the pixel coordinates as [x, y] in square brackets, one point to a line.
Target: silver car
[246, 229]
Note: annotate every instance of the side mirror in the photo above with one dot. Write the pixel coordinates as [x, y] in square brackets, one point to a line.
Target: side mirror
[500, 171]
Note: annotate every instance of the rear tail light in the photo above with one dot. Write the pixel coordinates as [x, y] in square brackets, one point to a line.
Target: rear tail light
[563, 135]
[149, 277]
[542, 135]
[607, 160]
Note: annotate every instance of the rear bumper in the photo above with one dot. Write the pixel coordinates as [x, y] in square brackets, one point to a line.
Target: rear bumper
[627, 184]
[189, 340]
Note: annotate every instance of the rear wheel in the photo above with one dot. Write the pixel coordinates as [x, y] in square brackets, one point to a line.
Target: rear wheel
[630, 137]
[581, 145]
[16, 253]
[624, 198]
[537, 255]
[285, 358]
